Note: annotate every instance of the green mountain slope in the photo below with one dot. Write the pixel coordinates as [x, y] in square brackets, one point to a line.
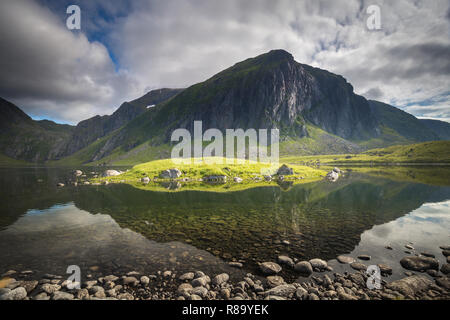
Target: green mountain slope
[440, 128]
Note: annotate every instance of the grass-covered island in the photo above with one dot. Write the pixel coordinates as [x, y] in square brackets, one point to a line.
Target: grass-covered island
[203, 175]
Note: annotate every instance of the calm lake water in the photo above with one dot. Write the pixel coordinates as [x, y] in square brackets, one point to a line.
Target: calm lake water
[115, 229]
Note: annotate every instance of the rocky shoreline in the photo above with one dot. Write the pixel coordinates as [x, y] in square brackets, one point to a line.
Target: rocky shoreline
[196, 285]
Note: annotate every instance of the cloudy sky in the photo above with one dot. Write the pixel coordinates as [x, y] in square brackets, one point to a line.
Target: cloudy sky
[125, 48]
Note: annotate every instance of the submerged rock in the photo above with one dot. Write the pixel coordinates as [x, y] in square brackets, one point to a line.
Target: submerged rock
[358, 266]
[345, 259]
[419, 263]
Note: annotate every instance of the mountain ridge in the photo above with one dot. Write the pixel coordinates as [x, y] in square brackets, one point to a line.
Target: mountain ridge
[316, 111]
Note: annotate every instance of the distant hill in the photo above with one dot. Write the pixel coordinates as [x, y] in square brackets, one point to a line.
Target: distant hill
[25, 139]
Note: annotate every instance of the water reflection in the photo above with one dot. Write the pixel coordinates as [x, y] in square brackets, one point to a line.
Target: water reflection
[47, 241]
[119, 228]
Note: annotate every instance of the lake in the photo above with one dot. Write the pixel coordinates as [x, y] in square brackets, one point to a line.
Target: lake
[117, 228]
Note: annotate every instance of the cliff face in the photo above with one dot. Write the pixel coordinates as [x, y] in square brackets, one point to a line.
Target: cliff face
[268, 91]
[274, 91]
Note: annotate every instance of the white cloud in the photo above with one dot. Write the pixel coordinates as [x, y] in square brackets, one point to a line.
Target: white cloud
[176, 43]
[51, 71]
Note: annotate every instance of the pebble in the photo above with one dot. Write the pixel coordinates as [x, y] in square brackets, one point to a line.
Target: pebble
[385, 269]
[345, 259]
[318, 264]
[131, 281]
[220, 278]
[286, 261]
[145, 280]
[187, 276]
[274, 281]
[16, 294]
[59, 295]
[445, 269]
[235, 264]
[200, 282]
[304, 268]
[269, 267]
[358, 266]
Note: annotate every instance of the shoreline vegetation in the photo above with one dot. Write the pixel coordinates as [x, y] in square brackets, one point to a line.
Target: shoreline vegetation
[426, 153]
[267, 285]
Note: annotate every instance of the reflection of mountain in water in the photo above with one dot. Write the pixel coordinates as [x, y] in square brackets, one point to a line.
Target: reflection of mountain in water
[48, 241]
[319, 219]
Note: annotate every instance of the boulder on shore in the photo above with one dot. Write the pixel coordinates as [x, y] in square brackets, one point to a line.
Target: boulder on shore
[410, 285]
[304, 268]
[270, 267]
[332, 176]
[111, 173]
[284, 170]
[170, 174]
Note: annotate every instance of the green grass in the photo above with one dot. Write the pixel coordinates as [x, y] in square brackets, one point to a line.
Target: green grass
[6, 161]
[80, 157]
[248, 171]
[427, 152]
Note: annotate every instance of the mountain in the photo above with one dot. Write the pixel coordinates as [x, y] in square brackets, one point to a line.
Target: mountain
[37, 141]
[90, 130]
[268, 91]
[440, 128]
[316, 111]
[26, 139]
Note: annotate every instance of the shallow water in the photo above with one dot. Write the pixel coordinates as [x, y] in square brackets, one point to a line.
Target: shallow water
[117, 228]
